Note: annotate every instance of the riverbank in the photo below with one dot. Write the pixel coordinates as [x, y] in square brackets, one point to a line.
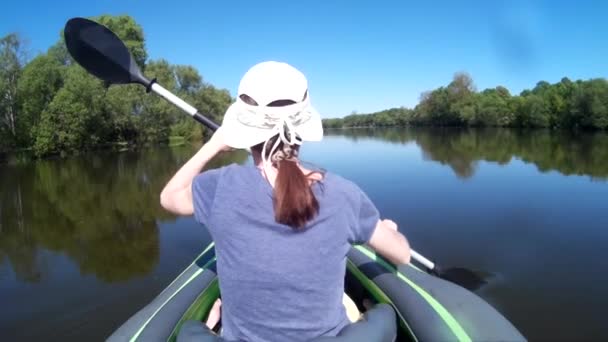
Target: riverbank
[24, 155]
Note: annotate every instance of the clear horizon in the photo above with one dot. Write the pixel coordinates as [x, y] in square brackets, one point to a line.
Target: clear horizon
[357, 57]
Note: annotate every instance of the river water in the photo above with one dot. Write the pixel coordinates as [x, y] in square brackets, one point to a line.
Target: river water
[84, 242]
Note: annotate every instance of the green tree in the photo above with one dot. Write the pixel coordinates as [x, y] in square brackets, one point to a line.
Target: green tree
[59, 53]
[434, 108]
[492, 108]
[12, 59]
[153, 124]
[212, 101]
[75, 119]
[533, 112]
[187, 79]
[461, 98]
[332, 123]
[590, 104]
[124, 108]
[41, 80]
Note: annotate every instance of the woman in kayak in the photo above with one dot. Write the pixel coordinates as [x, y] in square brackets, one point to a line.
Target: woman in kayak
[281, 231]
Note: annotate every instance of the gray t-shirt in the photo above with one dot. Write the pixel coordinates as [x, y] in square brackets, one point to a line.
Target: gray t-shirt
[279, 284]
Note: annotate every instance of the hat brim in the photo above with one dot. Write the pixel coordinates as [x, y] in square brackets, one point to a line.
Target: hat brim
[239, 135]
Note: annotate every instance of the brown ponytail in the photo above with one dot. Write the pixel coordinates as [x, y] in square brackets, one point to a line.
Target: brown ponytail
[294, 202]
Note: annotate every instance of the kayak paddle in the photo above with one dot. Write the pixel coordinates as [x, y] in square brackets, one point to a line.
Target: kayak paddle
[458, 275]
[99, 51]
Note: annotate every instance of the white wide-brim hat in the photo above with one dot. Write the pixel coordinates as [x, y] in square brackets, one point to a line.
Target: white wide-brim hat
[248, 124]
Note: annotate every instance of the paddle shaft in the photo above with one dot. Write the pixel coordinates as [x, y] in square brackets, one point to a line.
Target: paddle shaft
[421, 259]
[183, 105]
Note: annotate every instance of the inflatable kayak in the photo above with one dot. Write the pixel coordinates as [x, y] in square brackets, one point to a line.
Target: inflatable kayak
[427, 308]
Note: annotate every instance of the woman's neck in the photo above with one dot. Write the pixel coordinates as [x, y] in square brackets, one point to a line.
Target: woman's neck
[270, 172]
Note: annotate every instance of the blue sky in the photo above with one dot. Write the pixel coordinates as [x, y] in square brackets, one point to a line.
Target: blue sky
[358, 55]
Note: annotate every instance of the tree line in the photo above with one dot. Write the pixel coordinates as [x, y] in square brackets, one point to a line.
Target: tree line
[51, 105]
[565, 104]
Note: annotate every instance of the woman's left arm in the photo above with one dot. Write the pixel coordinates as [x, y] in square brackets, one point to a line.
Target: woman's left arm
[176, 197]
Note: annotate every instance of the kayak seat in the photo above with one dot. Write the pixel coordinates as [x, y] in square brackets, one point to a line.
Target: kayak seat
[378, 324]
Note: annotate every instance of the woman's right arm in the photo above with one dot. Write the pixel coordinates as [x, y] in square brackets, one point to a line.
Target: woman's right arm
[390, 243]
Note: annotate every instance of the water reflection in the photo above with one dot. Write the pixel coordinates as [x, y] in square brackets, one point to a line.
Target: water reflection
[582, 153]
[100, 210]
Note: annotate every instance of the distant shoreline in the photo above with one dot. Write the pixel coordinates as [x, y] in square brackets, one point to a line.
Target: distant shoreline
[581, 104]
[26, 155]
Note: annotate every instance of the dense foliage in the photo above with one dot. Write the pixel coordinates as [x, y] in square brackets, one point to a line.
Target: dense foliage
[52, 105]
[566, 104]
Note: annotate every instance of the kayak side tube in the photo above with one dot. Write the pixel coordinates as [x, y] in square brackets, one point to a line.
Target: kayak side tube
[158, 320]
[430, 308]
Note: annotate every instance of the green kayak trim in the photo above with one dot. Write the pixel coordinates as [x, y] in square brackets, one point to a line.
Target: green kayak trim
[378, 294]
[192, 277]
[445, 315]
[199, 308]
[211, 245]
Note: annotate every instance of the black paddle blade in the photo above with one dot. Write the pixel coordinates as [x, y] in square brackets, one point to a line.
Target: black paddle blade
[101, 52]
[464, 277]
